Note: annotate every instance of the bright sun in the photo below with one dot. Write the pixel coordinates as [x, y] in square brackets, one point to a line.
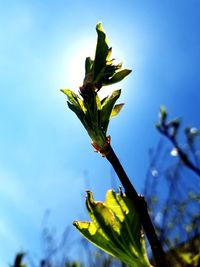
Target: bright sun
[76, 68]
[75, 57]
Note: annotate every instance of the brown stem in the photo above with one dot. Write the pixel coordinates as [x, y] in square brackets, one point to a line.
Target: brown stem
[141, 207]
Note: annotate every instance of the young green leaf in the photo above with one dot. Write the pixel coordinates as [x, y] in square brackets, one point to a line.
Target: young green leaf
[79, 113]
[117, 108]
[115, 228]
[118, 76]
[88, 65]
[72, 97]
[97, 238]
[107, 108]
[94, 113]
[102, 50]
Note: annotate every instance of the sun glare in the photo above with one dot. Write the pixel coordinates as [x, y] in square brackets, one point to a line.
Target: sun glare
[76, 67]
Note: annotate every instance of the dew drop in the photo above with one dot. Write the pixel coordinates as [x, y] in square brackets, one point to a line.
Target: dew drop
[174, 152]
[154, 173]
[193, 130]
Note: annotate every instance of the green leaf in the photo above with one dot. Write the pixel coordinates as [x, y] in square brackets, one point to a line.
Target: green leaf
[106, 73]
[72, 97]
[88, 65]
[92, 104]
[110, 99]
[103, 100]
[115, 111]
[94, 113]
[89, 231]
[115, 228]
[123, 209]
[107, 108]
[79, 113]
[102, 50]
[98, 102]
[118, 76]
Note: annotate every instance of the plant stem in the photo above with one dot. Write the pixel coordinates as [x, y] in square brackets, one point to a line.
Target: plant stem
[183, 156]
[141, 207]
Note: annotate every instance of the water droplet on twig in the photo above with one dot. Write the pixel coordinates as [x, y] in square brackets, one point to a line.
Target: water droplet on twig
[174, 152]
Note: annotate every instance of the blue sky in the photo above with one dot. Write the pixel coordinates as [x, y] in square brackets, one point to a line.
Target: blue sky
[46, 160]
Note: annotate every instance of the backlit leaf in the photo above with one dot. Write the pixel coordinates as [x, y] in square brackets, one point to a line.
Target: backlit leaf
[88, 65]
[118, 76]
[115, 228]
[102, 50]
[79, 113]
[72, 97]
[107, 108]
[116, 110]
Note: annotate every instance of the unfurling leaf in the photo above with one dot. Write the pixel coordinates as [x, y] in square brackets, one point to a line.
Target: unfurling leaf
[88, 65]
[72, 97]
[79, 113]
[107, 108]
[118, 76]
[94, 113]
[115, 228]
[116, 110]
[102, 50]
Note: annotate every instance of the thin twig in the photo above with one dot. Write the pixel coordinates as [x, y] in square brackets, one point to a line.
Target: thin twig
[141, 207]
[183, 156]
